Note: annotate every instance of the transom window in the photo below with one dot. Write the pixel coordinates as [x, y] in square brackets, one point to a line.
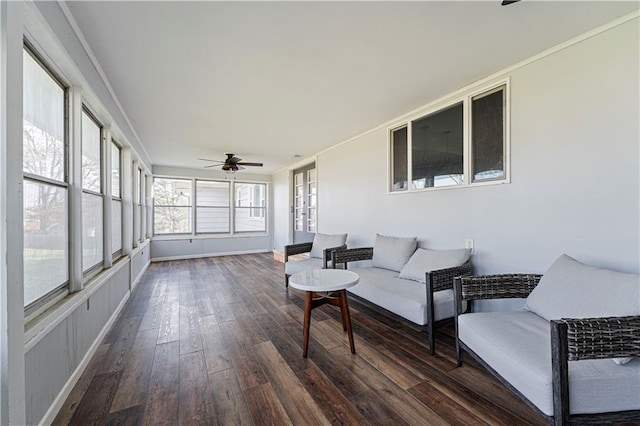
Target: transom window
[449, 147]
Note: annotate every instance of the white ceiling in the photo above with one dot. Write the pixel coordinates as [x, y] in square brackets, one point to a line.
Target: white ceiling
[267, 80]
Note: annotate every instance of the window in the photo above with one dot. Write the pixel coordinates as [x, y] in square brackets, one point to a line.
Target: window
[437, 145]
[250, 206]
[488, 135]
[46, 215]
[172, 206]
[212, 207]
[399, 159]
[436, 149]
[92, 204]
[142, 206]
[116, 201]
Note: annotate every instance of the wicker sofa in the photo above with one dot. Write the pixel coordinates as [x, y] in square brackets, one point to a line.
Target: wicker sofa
[411, 282]
[555, 353]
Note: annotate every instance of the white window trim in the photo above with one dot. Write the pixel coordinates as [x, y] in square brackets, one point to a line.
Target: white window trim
[465, 98]
[204, 235]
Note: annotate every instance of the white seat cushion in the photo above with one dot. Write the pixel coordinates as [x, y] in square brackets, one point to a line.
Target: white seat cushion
[295, 266]
[517, 346]
[405, 298]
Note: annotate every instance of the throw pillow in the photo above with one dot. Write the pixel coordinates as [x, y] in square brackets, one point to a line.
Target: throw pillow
[570, 289]
[392, 252]
[325, 241]
[425, 260]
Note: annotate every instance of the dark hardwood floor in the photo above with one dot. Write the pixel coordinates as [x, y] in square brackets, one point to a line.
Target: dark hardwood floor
[219, 341]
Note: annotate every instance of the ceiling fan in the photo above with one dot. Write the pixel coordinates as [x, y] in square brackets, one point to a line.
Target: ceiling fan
[508, 2]
[231, 164]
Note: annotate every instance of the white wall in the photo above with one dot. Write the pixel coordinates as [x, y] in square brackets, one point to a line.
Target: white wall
[574, 162]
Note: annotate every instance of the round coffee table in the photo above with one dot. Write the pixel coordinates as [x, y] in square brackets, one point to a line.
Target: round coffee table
[325, 286]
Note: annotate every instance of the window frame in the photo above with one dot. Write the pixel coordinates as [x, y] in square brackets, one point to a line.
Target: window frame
[249, 208]
[191, 206]
[466, 98]
[229, 207]
[90, 272]
[63, 289]
[117, 253]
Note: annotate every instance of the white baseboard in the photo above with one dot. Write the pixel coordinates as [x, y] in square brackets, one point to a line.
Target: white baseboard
[53, 410]
[200, 255]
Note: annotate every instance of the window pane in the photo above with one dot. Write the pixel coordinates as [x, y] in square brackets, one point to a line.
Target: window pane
[172, 192]
[437, 149]
[43, 122]
[487, 127]
[91, 179]
[250, 194]
[46, 239]
[399, 159]
[143, 222]
[139, 189]
[212, 219]
[115, 170]
[212, 214]
[246, 223]
[250, 207]
[92, 230]
[172, 220]
[212, 194]
[116, 225]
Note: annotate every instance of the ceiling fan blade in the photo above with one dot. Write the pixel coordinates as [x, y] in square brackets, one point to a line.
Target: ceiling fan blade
[212, 165]
[213, 161]
[508, 2]
[233, 160]
[250, 164]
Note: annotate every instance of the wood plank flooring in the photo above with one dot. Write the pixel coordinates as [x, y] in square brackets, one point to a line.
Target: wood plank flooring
[219, 341]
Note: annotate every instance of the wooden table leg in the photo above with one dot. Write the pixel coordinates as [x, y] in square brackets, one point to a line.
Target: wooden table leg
[347, 319]
[307, 321]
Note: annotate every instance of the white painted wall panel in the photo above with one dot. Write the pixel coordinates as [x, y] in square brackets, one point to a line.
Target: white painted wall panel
[202, 247]
[51, 362]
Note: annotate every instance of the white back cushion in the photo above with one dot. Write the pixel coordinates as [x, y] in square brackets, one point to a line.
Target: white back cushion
[425, 260]
[570, 289]
[325, 241]
[392, 252]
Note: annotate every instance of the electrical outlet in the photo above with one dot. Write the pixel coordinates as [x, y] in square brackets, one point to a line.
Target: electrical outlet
[468, 243]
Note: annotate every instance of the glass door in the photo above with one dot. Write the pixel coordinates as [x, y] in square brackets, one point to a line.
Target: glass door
[304, 209]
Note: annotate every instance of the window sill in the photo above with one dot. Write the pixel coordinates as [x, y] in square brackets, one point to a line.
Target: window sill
[446, 188]
[42, 324]
[183, 237]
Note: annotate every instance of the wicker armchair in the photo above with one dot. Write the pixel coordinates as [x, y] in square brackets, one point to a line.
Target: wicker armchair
[293, 249]
[435, 281]
[571, 340]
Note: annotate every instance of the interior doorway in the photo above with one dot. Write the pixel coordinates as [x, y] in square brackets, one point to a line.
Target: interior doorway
[305, 199]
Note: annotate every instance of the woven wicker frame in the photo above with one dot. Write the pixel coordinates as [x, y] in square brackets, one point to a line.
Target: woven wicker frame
[597, 338]
[571, 340]
[501, 286]
[299, 248]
